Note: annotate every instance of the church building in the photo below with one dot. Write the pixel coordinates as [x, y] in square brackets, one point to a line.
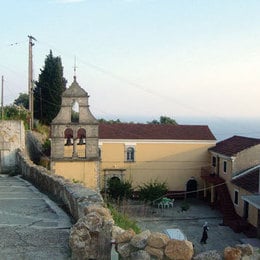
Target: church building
[91, 153]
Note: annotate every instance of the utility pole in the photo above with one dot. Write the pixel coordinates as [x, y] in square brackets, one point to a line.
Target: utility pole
[2, 99]
[30, 80]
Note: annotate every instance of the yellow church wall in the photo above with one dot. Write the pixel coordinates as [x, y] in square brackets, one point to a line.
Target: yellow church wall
[172, 162]
[84, 172]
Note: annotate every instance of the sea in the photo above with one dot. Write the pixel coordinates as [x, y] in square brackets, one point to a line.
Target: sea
[224, 128]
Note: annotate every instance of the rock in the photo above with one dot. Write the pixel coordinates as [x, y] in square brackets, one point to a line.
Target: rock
[93, 221]
[140, 240]
[125, 250]
[81, 242]
[208, 255]
[157, 252]
[157, 240]
[125, 236]
[231, 253]
[246, 249]
[140, 255]
[116, 231]
[104, 212]
[179, 249]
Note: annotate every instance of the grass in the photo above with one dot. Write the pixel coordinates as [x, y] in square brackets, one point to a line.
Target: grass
[122, 220]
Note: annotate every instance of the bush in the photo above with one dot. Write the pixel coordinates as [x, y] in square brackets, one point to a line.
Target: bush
[185, 206]
[47, 147]
[118, 189]
[152, 190]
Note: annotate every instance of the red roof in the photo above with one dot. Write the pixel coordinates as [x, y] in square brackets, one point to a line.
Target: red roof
[152, 131]
[248, 181]
[234, 145]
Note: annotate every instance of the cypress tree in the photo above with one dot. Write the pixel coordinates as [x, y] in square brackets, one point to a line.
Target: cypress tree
[48, 91]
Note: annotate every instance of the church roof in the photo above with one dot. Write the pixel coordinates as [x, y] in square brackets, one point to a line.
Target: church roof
[153, 131]
[234, 145]
[75, 90]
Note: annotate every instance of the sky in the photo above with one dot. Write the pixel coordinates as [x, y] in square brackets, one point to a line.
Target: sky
[140, 59]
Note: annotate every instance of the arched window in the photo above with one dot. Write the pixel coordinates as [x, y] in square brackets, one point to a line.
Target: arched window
[130, 154]
[75, 112]
[68, 135]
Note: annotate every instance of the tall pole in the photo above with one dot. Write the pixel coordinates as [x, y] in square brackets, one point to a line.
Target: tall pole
[30, 81]
[2, 99]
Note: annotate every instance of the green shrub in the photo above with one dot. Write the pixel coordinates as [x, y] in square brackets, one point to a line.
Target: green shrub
[152, 190]
[118, 189]
[123, 221]
[13, 112]
[47, 147]
[185, 206]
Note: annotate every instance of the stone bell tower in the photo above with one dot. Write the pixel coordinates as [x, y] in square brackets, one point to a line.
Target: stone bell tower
[74, 138]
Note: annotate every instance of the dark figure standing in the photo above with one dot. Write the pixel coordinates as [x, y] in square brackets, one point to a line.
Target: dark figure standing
[205, 233]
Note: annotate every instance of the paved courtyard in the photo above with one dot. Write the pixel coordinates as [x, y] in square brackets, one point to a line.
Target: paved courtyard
[190, 222]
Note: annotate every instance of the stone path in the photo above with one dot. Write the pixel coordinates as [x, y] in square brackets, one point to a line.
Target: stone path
[31, 225]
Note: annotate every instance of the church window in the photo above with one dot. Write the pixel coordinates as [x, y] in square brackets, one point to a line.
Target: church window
[130, 154]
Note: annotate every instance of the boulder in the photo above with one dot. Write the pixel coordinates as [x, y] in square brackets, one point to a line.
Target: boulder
[246, 249]
[208, 255]
[93, 221]
[157, 240]
[125, 250]
[231, 253]
[140, 240]
[116, 231]
[157, 252]
[179, 249]
[81, 242]
[140, 255]
[125, 236]
[102, 211]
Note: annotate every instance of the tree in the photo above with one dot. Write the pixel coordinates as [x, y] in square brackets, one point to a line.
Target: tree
[152, 190]
[49, 89]
[164, 120]
[118, 189]
[22, 100]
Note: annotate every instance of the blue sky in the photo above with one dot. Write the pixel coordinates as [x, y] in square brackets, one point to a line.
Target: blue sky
[141, 58]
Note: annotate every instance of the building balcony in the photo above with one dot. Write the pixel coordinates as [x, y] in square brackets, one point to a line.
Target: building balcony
[208, 174]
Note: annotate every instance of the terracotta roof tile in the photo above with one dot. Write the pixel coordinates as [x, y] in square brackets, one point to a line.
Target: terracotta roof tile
[152, 131]
[248, 181]
[234, 145]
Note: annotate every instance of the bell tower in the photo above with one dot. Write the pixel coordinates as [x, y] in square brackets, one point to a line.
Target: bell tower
[74, 138]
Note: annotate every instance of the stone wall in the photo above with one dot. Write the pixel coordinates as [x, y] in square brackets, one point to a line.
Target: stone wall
[12, 136]
[91, 235]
